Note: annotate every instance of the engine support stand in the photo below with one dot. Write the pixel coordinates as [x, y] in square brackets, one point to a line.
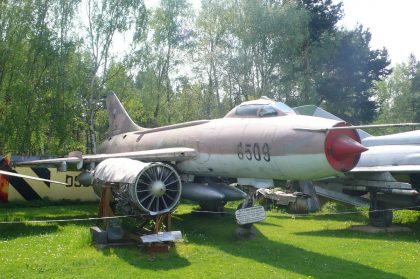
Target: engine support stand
[153, 233]
[105, 209]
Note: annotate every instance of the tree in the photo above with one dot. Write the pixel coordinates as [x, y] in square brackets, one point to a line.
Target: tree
[29, 75]
[160, 56]
[323, 17]
[210, 50]
[344, 85]
[106, 18]
[399, 94]
[53, 77]
[247, 48]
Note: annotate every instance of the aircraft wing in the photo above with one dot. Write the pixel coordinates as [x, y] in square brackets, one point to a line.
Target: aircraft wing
[359, 127]
[163, 154]
[390, 158]
[8, 173]
[403, 168]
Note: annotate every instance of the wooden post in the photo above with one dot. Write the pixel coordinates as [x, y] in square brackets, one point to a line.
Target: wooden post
[169, 222]
[105, 209]
[159, 221]
[165, 219]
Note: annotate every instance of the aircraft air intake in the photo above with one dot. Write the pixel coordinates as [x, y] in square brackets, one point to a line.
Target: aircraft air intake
[343, 148]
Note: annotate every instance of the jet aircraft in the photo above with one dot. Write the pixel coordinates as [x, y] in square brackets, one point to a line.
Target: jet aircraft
[256, 144]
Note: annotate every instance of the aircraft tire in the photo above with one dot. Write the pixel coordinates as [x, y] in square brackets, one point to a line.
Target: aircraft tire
[381, 219]
[216, 206]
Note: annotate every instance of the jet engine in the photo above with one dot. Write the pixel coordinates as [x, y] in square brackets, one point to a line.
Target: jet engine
[145, 188]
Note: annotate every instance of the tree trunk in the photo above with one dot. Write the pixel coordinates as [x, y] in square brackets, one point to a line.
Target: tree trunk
[92, 131]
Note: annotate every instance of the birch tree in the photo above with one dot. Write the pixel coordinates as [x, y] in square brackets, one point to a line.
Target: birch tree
[106, 19]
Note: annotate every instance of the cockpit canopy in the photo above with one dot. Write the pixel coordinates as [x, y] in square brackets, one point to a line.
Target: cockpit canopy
[263, 107]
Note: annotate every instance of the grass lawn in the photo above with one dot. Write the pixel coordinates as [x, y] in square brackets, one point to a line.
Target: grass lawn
[318, 246]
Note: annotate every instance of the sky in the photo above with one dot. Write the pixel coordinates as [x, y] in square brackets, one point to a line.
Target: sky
[393, 24]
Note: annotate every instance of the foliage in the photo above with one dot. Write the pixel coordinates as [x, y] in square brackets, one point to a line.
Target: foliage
[39, 78]
[105, 19]
[352, 69]
[58, 60]
[399, 94]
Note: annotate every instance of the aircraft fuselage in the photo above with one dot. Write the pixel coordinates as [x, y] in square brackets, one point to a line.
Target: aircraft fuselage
[240, 147]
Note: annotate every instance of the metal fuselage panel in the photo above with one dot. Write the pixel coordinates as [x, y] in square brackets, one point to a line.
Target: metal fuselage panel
[390, 155]
[402, 149]
[406, 138]
[241, 147]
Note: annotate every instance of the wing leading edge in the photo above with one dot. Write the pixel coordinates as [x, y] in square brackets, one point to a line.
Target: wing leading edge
[164, 154]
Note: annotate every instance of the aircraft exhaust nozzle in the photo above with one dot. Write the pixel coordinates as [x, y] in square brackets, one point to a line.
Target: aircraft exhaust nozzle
[343, 148]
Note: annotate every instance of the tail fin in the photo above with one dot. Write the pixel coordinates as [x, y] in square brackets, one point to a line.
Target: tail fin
[319, 112]
[119, 120]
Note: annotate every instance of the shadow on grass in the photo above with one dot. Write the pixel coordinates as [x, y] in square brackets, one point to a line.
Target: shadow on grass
[55, 210]
[354, 217]
[138, 258]
[12, 231]
[345, 233]
[266, 224]
[359, 217]
[47, 203]
[277, 254]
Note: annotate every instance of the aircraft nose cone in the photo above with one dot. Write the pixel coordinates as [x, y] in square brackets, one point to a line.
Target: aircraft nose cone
[344, 147]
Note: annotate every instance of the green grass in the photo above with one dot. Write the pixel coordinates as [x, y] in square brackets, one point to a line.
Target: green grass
[318, 246]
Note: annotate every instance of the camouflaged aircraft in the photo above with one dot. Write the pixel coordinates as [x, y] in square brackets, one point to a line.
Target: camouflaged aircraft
[256, 144]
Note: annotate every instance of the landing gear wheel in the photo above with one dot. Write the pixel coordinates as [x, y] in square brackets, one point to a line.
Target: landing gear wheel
[382, 218]
[217, 206]
[379, 216]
